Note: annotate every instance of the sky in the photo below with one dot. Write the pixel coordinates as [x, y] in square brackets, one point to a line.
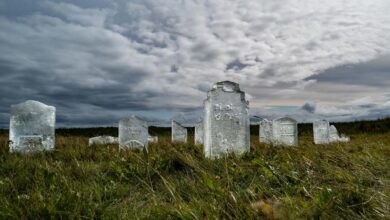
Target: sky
[98, 61]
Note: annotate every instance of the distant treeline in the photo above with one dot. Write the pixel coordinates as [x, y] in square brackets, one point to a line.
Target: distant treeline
[378, 126]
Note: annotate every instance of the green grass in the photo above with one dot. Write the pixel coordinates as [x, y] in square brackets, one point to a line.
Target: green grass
[175, 181]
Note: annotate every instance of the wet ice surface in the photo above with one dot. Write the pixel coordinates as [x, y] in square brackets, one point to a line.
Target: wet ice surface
[226, 121]
[32, 127]
[133, 133]
[199, 133]
[100, 140]
[285, 131]
[265, 131]
[179, 132]
[321, 132]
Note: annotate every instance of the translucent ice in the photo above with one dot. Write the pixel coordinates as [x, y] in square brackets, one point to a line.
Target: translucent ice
[285, 131]
[321, 132]
[133, 133]
[179, 132]
[32, 127]
[265, 131]
[153, 139]
[100, 140]
[335, 137]
[226, 121]
[199, 133]
[333, 134]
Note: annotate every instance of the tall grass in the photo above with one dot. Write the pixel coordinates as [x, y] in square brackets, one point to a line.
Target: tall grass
[175, 181]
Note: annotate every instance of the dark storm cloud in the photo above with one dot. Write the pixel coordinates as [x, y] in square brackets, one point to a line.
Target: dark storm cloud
[373, 73]
[309, 107]
[236, 65]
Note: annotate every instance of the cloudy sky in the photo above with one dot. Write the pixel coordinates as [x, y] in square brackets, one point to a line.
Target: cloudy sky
[100, 60]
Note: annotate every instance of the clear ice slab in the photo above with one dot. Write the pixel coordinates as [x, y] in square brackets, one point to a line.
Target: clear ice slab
[32, 127]
[179, 132]
[133, 133]
[321, 132]
[226, 120]
[285, 131]
[265, 131]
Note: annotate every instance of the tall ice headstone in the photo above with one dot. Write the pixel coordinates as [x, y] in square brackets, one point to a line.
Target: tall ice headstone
[199, 133]
[321, 132]
[226, 121]
[133, 133]
[179, 132]
[265, 131]
[285, 131]
[32, 127]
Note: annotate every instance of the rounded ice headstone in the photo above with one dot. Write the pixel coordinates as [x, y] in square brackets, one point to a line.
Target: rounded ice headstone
[32, 127]
[226, 121]
[133, 133]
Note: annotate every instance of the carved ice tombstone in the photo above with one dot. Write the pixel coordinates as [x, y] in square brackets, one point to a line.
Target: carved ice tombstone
[32, 127]
[179, 132]
[333, 134]
[226, 121]
[153, 139]
[199, 133]
[133, 133]
[100, 140]
[265, 131]
[321, 132]
[285, 131]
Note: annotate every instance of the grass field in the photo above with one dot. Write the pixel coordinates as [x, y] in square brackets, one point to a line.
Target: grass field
[174, 181]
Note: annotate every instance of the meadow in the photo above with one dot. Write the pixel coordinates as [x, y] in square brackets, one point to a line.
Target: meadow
[175, 181]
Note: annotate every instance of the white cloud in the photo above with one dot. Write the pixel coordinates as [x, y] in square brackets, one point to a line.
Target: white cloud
[84, 16]
[167, 52]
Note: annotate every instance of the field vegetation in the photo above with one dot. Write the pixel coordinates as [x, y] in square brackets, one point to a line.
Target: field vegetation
[175, 181]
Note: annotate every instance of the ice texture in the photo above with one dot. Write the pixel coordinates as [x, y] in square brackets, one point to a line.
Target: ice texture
[321, 132]
[153, 139]
[133, 133]
[179, 132]
[285, 131]
[333, 134]
[265, 131]
[32, 127]
[100, 140]
[335, 137]
[226, 121]
[199, 133]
